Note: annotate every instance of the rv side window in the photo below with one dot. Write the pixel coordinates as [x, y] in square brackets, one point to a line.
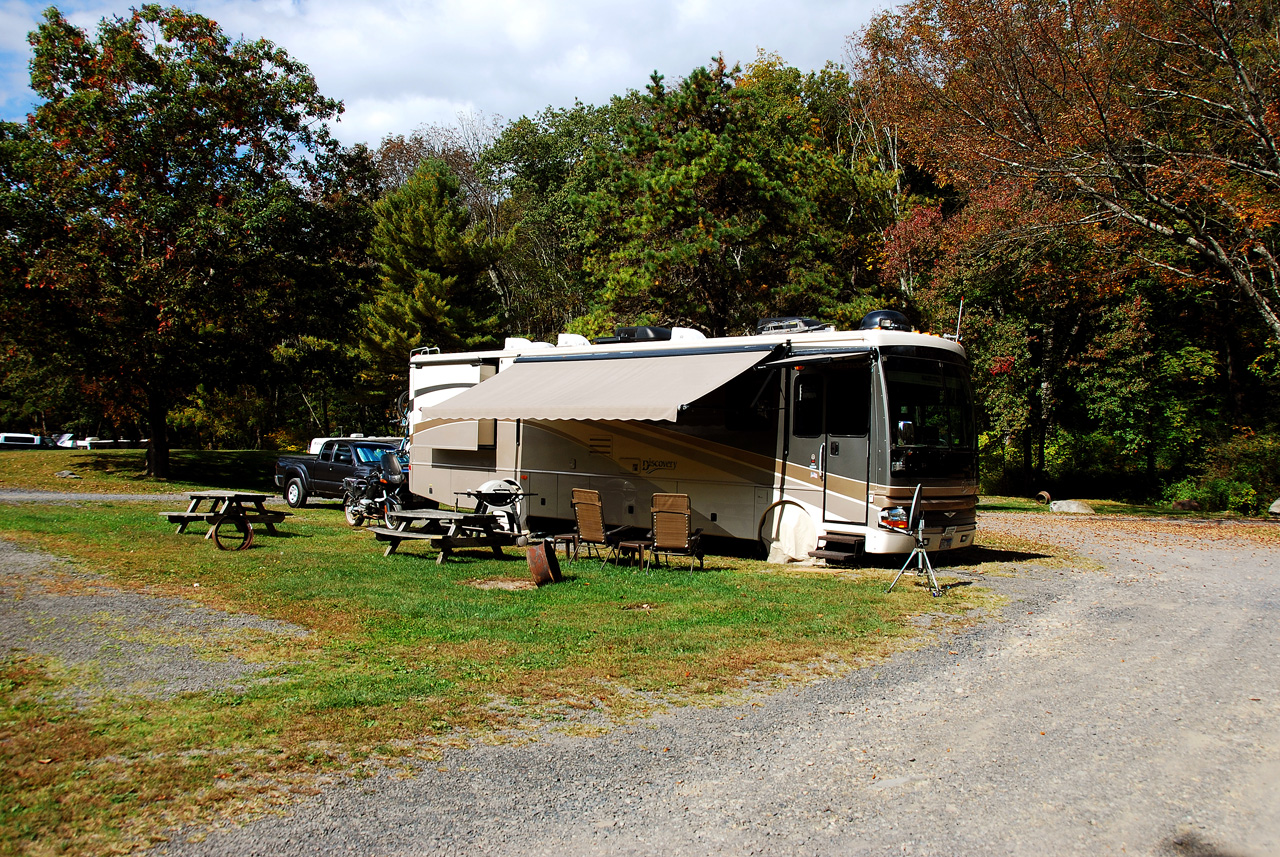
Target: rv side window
[849, 408]
[806, 419]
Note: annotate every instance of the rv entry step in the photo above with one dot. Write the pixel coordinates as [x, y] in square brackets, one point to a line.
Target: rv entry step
[839, 547]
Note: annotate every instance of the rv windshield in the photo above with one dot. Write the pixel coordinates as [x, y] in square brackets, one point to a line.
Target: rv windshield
[931, 422]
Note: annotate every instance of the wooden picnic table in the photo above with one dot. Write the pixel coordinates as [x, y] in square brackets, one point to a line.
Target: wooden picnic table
[446, 530]
[230, 516]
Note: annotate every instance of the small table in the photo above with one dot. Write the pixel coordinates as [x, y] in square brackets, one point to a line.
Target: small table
[635, 546]
[570, 542]
[447, 530]
[230, 515]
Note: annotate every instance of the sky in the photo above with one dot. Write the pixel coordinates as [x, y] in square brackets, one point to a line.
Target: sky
[400, 64]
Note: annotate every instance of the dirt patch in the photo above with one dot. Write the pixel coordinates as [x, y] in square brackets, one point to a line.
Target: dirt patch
[511, 584]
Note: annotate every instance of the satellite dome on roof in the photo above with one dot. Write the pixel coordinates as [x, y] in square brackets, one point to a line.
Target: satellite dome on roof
[885, 319]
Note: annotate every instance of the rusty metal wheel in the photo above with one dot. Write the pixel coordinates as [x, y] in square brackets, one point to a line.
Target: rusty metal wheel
[233, 534]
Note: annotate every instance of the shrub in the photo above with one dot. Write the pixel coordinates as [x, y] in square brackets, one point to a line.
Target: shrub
[1250, 458]
[1217, 495]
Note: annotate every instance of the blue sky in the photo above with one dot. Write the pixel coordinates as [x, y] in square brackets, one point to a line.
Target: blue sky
[397, 64]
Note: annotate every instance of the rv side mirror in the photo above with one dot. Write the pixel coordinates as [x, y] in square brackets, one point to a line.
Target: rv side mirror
[906, 432]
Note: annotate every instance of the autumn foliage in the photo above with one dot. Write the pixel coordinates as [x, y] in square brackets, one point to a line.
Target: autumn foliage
[1098, 183]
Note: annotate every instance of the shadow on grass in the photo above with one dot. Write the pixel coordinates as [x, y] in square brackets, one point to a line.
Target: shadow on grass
[240, 469]
[279, 534]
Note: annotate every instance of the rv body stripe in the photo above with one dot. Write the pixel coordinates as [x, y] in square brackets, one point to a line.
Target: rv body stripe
[715, 456]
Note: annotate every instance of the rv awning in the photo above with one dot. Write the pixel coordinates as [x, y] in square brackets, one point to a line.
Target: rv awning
[622, 388]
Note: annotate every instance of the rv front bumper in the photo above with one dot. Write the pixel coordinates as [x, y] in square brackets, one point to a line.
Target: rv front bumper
[937, 539]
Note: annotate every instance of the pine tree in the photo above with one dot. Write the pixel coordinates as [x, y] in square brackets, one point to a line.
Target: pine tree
[435, 287]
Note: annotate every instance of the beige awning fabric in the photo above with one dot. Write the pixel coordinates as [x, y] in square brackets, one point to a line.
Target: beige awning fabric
[622, 388]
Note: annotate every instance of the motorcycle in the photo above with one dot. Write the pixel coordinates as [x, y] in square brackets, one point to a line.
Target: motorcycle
[386, 487]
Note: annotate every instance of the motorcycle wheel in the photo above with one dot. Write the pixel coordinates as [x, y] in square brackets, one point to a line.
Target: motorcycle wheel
[354, 518]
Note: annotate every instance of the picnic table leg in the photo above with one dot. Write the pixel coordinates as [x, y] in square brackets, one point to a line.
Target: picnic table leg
[446, 543]
[392, 544]
[191, 507]
[214, 506]
[260, 506]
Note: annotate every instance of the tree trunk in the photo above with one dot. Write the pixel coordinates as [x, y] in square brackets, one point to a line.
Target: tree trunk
[1028, 477]
[158, 447]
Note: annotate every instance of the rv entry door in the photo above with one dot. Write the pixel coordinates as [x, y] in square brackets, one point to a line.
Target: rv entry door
[829, 443]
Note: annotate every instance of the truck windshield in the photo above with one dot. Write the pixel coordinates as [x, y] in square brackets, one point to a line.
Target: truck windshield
[931, 422]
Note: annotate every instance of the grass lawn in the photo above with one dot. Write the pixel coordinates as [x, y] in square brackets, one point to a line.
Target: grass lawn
[404, 656]
[123, 471]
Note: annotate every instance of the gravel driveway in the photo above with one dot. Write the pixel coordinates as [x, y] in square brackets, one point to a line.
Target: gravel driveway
[1132, 710]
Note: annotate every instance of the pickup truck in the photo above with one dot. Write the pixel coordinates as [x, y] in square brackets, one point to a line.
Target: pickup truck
[321, 475]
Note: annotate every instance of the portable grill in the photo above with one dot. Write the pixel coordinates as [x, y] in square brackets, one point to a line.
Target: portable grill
[500, 497]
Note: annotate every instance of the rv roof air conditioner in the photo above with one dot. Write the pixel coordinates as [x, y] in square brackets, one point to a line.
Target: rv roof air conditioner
[790, 324]
[516, 343]
[885, 319]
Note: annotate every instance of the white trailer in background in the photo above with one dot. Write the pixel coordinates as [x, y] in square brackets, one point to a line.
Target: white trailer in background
[802, 436]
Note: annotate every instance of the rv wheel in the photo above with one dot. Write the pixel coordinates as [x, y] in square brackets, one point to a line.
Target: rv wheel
[786, 532]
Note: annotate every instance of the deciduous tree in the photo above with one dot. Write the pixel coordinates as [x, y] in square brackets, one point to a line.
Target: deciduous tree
[1159, 114]
[538, 165]
[193, 201]
[722, 203]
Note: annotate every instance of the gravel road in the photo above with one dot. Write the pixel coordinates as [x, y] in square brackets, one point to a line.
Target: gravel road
[1130, 705]
[116, 642]
[19, 495]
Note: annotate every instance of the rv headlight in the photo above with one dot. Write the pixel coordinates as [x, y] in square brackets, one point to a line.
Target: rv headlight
[895, 518]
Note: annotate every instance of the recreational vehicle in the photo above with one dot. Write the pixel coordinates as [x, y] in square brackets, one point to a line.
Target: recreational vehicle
[808, 439]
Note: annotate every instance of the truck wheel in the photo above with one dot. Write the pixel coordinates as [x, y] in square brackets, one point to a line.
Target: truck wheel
[295, 494]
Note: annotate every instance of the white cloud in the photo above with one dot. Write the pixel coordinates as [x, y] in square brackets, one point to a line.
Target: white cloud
[397, 64]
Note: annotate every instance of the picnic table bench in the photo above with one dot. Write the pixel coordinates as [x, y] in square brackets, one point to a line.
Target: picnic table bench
[446, 530]
[230, 515]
